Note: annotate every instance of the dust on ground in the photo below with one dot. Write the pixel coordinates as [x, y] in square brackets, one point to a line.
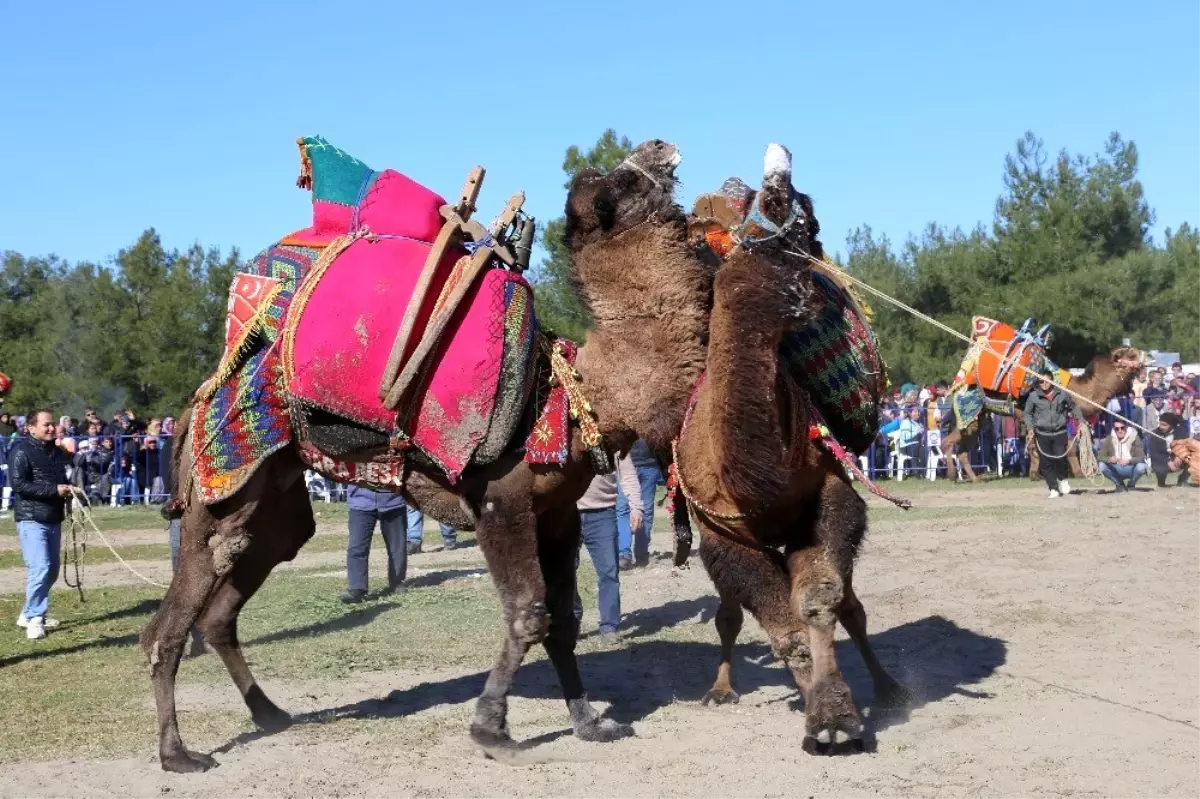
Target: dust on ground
[1052, 645]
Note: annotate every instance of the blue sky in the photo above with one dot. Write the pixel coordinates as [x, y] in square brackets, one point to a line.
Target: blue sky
[122, 116]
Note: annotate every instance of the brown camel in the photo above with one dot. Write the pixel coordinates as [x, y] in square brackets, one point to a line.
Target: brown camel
[638, 366]
[1107, 376]
[755, 482]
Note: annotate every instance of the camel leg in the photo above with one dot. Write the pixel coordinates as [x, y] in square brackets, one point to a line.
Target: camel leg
[968, 442]
[163, 639]
[729, 624]
[210, 546]
[757, 580]
[507, 535]
[558, 548]
[285, 532]
[820, 575]
[964, 466]
[852, 615]
[949, 453]
[683, 533]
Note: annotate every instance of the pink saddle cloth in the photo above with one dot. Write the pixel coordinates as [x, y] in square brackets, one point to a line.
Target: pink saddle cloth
[345, 318]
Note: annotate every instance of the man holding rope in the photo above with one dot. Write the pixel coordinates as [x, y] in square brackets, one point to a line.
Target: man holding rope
[1046, 413]
[37, 471]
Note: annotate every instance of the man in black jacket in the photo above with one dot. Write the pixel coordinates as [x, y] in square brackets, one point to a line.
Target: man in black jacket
[37, 472]
[1046, 413]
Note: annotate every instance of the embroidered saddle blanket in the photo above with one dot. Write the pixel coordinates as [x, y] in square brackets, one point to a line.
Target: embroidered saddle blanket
[310, 333]
[836, 359]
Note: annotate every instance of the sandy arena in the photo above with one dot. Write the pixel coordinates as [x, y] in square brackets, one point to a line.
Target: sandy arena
[1053, 646]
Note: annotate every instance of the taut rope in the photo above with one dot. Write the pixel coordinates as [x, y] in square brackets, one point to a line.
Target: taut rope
[946, 328]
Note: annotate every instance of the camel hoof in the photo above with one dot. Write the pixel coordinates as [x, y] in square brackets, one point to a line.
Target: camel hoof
[185, 762]
[496, 744]
[831, 720]
[721, 696]
[272, 721]
[839, 741]
[602, 730]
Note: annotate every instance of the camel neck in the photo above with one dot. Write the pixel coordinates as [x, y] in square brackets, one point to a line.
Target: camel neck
[650, 300]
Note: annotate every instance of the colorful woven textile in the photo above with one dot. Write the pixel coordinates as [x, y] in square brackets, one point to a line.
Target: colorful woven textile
[319, 335]
[339, 339]
[379, 476]
[348, 195]
[241, 423]
[241, 416]
[550, 439]
[836, 360]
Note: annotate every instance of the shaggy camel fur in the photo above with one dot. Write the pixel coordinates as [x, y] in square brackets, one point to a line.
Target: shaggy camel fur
[638, 366]
[755, 481]
[1107, 376]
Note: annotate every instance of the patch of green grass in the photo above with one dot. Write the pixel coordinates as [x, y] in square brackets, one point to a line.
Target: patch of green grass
[131, 517]
[98, 553]
[86, 684]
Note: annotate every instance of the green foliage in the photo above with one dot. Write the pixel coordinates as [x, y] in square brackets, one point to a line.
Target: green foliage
[142, 333]
[559, 306]
[1069, 246]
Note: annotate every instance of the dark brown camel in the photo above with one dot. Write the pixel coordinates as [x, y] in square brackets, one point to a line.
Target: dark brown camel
[1107, 376]
[638, 366]
[755, 481]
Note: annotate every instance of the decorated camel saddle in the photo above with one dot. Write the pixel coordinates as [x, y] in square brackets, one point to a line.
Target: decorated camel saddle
[836, 357]
[1000, 368]
[393, 325]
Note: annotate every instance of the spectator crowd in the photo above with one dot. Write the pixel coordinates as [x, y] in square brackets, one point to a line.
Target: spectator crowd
[127, 453]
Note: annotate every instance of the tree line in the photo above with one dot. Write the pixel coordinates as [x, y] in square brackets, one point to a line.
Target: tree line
[1069, 244]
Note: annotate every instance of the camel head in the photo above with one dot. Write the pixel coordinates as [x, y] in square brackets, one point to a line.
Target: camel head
[1131, 360]
[640, 189]
[781, 216]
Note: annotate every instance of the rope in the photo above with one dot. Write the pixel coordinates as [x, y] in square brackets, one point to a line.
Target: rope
[81, 515]
[74, 528]
[1087, 456]
[946, 328]
[1045, 454]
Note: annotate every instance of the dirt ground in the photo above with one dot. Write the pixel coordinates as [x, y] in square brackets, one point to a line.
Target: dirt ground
[1052, 646]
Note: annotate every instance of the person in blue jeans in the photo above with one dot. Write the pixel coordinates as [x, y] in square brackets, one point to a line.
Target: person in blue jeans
[634, 542]
[37, 471]
[598, 519]
[416, 526]
[366, 508]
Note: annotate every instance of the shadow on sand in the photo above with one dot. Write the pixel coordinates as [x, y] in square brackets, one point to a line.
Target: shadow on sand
[933, 657]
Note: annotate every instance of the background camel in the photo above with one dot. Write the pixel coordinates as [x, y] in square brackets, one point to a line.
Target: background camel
[638, 366]
[1107, 376]
[754, 480]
